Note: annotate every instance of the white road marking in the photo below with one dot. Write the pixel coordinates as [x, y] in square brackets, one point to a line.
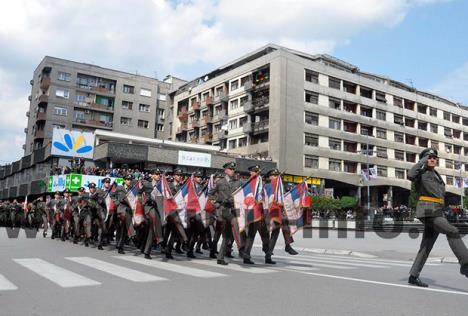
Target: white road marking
[235, 267]
[119, 271]
[6, 285]
[385, 283]
[323, 265]
[54, 273]
[172, 267]
[366, 260]
[338, 262]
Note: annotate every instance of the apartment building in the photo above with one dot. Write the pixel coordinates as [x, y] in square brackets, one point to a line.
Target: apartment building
[72, 95]
[322, 117]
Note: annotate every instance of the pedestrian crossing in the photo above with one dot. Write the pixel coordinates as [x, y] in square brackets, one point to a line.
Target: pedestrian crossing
[129, 268]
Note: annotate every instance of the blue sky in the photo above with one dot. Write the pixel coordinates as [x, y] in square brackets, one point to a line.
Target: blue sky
[424, 41]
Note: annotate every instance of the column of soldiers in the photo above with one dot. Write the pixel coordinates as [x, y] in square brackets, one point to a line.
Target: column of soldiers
[88, 217]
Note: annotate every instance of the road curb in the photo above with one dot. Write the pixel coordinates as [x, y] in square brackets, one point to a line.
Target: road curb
[440, 260]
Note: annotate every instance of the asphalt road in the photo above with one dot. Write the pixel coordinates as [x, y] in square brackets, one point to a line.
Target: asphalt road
[49, 277]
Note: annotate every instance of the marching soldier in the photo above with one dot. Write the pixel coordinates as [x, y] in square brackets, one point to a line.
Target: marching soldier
[40, 208]
[124, 213]
[195, 223]
[67, 214]
[82, 216]
[430, 211]
[221, 197]
[54, 214]
[153, 229]
[109, 217]
[16, 214]
[98, 207]
[283, 226]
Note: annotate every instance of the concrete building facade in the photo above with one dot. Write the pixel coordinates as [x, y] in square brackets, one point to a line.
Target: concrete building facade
[322, 117]
[72, 95]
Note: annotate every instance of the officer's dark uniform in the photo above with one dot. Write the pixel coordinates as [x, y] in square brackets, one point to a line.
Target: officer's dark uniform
[82, 215]
[124, 213]
[221, 197]
[195, 224]
[98, 210]
[55, 214]
[430, 211]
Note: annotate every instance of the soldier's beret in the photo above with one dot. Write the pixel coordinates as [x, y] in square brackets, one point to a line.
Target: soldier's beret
[66, 191]
[108, 180]
[82, 189]
[178, 172]
[428, 152]
[92, 185]
[230, 165]
[273, 172]
[198, 173]
[128, 177]
[255, 168]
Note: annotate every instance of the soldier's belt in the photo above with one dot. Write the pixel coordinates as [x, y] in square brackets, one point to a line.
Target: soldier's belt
[431, 199]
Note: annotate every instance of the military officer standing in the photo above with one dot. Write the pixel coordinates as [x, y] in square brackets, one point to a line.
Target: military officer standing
[195, 224]
[82, 215]
[54, 214]
[430, 211]
[124, 213]
[98, 208]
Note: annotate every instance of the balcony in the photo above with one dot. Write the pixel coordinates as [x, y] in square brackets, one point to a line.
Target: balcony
[247, 128]
[194, 139]
[39, 134]
[95, 106]
[260, 127]
[31, 82]
[28, 114]
[194, 123]
[44, 98]
[96, 89]
[196, 105]
[30, 98]
[182, 128]
[208, 119]
[248, 106]
[221, 97]
[221, 115]
[222, 134]
[207, 137]
[249, 86]
[209, 101]
[183, 115]
[41, 116]
[45, 83]
[93, 123]
[26, 130]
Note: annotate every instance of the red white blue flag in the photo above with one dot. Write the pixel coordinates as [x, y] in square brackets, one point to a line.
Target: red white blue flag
[245, 200]
[294, 202]
[135, 204]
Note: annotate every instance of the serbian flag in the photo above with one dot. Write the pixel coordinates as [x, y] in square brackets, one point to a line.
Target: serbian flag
[245, 199]
[25, 205]
[169, 204]
[274, 199]
[192, 203]
[110, 205]
[294, 202]
[67, 210]
[180, 198]
[135, 204]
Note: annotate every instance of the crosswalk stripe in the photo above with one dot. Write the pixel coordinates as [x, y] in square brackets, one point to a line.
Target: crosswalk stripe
[234, 267]
[5, 284]
[119, 271]
[173, 267]
[338, 262]
[298, 268]
[359, 260]
[323, 265]
[54, 273]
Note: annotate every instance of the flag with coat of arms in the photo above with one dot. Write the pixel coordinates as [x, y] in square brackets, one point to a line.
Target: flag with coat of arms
[134, 201]
[274, 199]
[206, 205]
[294, 202]
[248, 199]
[187, 201]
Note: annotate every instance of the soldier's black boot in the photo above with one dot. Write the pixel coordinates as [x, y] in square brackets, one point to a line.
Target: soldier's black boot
[99, 247]
[148, 256]
[198, 250]
[190, 254]
[63, 237]
[248, 261]
[464, 270]
[268, 260]
[222, 262]
[169, 255]
[290, 250]
[86, 242]
[213, 255]
[229, 255]
[44, 234]
[416, 281]
[120, 250]
[177, 249]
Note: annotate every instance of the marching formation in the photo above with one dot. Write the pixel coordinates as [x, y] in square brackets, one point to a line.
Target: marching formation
[181, 213]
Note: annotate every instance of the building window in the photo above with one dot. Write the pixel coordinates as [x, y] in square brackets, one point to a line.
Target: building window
[381, 133]
[422, 108]
[232, 143]
[311, 76]
[435, 144]
[409, 105]
[161, 113]
[456, 149]
[60, 111]
[381, 115]
[423, 142]
[447, 132]
[311, 97]
[446, 116]
[334, 165]
[233, 124]
[382, 152]
[448, 148]
[234, 85]
[62, 93]
[243, 81]
[456, 133]
[349, 87]
[433, 112]
[334, 83]
[400, 173]
[382, 171]
[410, 139]
[130, 89]
[311, 140]
[144, 108]
[365, 111]
[422, 125]
[380, 97]
[350, 147]
[398, 119]
[311, 161]
[449, 180]
[127, 105]
[448, 164]
[366, 130]
[243, 142]
[334, 103]
[143, 124]
[398, 102]
[64, 76]
[366, 92]
[398, 138]
[350, 167]
[409, 122]
[242, 121]
[410, 157]
[160, 127]
[334, 143]
[434, 128]
[162, 97]
[125, 121]
[399, 155]
[145, 92]
[456, 118]
[234, 104]
[311, 118]
[334, 123]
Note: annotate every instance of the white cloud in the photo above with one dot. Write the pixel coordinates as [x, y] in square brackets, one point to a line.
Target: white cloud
[454, 85]
[168, 37]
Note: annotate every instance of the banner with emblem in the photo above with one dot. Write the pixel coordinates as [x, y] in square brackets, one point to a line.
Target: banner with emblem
[245, 199]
